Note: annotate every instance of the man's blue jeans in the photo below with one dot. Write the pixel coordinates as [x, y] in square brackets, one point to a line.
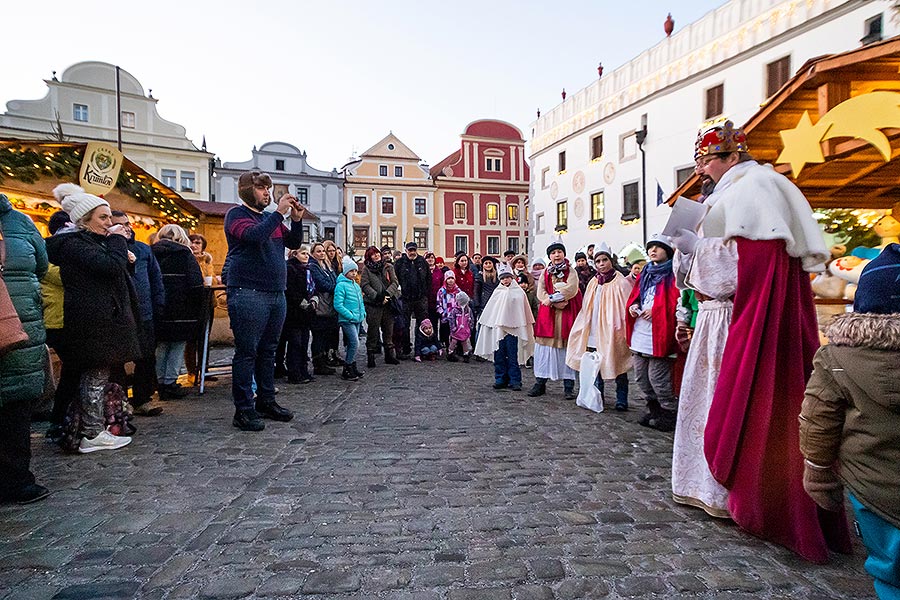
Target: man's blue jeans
[351, 340]
[506, 361]
[256, 318]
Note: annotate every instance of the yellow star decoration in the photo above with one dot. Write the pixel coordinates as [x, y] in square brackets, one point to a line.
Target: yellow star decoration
[861, 117]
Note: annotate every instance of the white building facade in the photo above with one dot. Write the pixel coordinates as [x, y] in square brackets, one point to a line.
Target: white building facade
[81, 106]
[587, 172]
[320, 191]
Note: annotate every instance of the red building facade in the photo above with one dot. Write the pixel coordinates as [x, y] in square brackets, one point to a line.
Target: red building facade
[482, 192]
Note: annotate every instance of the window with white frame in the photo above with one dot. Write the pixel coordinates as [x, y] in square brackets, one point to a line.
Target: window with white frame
[493, 245]
[330, 233]
[561, 161]
[777, 74]
[598, 208]
[398, 171]
[80, 112]
[683, 174]
[306, 234]
[493, 211]
[562, 215]
[459, 210]
[382, 171]
[493, 164]
[303, 195]
[361, 237]
[513, 244]
[359, 204]
[128, 119]
[544, 172]
[597, 147]
[420, 237]
[188, 181]
[460, 244]
[630, 202]
[279, 164]
[387, 206]
[539, 223]
[169, 178]
[420, 206]
[389, 237]
[627, 146]
[715, 101]
[512, 212]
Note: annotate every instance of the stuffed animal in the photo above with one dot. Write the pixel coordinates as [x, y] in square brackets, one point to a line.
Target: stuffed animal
[849, 268]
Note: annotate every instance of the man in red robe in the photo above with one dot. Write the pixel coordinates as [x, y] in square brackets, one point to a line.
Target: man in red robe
[751, 439]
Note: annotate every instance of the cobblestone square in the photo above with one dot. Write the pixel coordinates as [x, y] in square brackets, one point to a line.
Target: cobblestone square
[417, 482]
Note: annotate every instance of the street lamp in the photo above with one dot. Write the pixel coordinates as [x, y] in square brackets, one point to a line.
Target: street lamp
[640, 136]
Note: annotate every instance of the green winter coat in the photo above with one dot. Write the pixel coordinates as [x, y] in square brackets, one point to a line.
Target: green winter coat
[22, 370]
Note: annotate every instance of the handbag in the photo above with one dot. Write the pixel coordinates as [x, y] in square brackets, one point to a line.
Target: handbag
[12, 334]
[324, 303]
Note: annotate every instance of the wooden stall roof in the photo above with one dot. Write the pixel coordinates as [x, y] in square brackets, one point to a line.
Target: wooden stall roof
[854, 174]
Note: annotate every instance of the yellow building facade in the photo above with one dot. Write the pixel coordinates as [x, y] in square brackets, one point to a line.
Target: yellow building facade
[388, 199]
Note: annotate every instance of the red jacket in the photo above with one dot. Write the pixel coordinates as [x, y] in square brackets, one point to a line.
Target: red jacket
[663, 313]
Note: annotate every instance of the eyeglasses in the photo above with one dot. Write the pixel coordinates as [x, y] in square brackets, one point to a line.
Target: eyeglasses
[704, 161]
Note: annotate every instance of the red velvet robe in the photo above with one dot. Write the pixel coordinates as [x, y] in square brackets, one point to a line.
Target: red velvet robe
[663, 316]
[752, 434]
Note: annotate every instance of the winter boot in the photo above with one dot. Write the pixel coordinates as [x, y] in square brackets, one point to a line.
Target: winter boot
[348, 374]
[539, 388]
[390, 358]
[665, 421]
[320, 365]
[370, 362]
[356, 370]
[333, 360]
[569, 389]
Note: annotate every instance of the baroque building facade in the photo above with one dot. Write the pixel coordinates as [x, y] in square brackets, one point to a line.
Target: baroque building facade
[81, 106]
[320, 191]
[603, 157]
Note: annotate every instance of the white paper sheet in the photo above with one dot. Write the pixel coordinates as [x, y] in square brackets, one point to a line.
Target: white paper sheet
[686, 214]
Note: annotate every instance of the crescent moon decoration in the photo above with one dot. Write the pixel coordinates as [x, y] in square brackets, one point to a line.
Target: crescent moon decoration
[861, 117]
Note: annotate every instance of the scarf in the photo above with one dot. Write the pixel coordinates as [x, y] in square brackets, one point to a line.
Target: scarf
[451, 289]
[558, 269]
[654, 274]
[375, 267]
[606, 277]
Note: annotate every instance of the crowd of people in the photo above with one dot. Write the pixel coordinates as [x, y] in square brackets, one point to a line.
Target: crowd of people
[717, 326]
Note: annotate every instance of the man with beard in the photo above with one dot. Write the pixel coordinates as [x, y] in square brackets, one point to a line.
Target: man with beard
[415, 284]
[760, 229]
[257, 278]
[148, 285]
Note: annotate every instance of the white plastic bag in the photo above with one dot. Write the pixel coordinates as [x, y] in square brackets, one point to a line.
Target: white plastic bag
[589, 396]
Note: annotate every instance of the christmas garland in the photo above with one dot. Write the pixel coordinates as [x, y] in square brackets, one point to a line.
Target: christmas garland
[28, 165]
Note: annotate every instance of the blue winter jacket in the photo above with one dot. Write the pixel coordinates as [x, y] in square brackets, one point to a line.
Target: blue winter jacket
[148, 282]
[348, 301]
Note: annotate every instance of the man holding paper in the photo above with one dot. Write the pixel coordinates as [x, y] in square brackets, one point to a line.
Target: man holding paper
[757, 244]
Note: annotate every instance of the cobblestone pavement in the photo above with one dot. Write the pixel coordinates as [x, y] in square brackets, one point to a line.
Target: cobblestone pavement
[418, 482]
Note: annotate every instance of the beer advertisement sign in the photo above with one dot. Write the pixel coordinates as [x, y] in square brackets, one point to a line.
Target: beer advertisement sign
[100, 168]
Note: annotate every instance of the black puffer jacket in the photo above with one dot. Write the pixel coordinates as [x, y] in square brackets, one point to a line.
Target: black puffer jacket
[297, 316]
[183, 284]
[100, 303]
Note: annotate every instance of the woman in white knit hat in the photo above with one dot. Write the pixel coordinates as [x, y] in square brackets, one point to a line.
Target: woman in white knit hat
[100, 307]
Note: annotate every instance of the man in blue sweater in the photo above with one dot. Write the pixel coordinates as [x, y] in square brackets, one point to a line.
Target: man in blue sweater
[257, 278]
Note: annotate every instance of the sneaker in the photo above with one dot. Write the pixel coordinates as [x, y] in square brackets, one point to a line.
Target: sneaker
[146, 410]
[104, 441]
[418, 359]
[272, 410]
[248, 420]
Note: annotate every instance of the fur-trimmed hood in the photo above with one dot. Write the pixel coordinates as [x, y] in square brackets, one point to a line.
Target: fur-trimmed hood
[870, 330]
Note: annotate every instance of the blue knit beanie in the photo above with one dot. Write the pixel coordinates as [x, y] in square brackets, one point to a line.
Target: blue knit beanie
[349, 265]
[879, 284]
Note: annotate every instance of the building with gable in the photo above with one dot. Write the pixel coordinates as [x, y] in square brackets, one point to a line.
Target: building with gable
[388, 198]
[604, 155]
[81, 106]
[482, 192]
[320, 191]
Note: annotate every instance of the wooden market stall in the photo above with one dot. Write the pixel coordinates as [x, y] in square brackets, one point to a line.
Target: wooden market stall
[30, 169]
[834, 129]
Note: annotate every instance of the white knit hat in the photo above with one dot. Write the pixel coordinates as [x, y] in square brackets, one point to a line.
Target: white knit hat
[75, 201]
[504, 271]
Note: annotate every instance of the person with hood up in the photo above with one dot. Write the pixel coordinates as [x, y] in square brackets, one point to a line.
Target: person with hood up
[428, 346]
[348, 302]
[601, 325]
[850, 418]
[461, 322]
[507, 331]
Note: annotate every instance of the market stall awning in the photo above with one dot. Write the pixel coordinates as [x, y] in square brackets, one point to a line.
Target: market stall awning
[834, 130]
[33, 168]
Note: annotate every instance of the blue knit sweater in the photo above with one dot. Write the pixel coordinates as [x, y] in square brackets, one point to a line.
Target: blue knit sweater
[256, 243]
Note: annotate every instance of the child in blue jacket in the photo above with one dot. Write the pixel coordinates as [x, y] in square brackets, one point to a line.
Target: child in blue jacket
[348, 302]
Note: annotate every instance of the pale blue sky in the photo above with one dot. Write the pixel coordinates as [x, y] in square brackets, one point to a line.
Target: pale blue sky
[335, 76]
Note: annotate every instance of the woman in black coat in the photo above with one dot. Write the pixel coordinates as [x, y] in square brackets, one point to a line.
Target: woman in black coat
[100, 307]
[325, 323]
[298, 319]
[180, 319]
